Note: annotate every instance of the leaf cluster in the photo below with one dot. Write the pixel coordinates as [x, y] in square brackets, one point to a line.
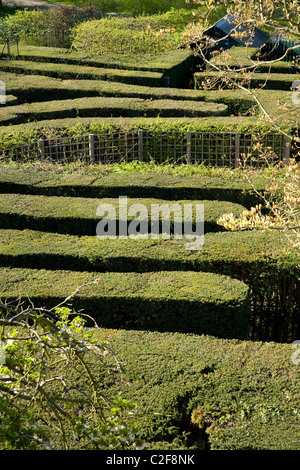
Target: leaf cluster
[49, 393]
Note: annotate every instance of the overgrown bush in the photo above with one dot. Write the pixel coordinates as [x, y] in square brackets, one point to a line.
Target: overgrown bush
[120, 36]
[41, 27]
[142, 34]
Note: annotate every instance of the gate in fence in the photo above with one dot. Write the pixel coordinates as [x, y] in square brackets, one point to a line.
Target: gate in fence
[210, 148]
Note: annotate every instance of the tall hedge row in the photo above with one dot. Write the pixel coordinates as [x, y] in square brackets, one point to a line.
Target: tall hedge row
[258, 259]
[164, 186]
[78, 216]
[201, 303]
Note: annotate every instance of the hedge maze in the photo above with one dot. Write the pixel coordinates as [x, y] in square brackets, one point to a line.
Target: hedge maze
[51, 231]
[202, 333]
[56, 88]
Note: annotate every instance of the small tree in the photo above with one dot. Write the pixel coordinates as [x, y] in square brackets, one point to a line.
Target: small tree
[280, 210]
[281, 198]
[50, 395]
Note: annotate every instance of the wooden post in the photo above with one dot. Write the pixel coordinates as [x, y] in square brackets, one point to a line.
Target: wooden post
[92, 148]
[141, 142]
[287, 150]
[189, 148]
[237, 150]
[42, 148]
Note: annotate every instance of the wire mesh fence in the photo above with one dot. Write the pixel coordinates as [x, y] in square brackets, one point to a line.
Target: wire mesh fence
[210, 148]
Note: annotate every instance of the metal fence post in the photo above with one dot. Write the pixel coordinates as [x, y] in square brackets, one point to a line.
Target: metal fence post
[189, 147]
[141, 142]
[287, 150]
[237, 150]
[92, 147]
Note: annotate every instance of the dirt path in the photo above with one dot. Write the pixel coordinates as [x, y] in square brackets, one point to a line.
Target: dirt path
[41, 5]
[31, 4]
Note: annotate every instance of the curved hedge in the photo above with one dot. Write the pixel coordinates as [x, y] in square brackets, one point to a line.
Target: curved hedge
[67, 71]
[256, 258]
[201, 303]
[109, 107]
[159, 62]
[41, 88]
[230, 253]
[77, 216]
[269, 81]
[240, 395]
[155, 186]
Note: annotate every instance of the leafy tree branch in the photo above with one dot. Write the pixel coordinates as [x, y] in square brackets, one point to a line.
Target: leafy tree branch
[50, 395]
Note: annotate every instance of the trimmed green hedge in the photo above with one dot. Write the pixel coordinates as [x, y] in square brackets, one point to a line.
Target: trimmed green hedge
[77, 216]
[202, 303]
[230, 253]
[41, 88]
[159, 62]
[155, 186]
[23, 134]
[66, 71]
[177, 64]
[269, 81]
[243, 57]
[256, 258]
[109, 107]
[245, 394]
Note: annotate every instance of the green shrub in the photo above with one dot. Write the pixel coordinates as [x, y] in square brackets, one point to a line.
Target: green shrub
[109, 107]
[269, 81]
[77, 216]
[202, 303]
[246, 392]
[160, 185]
[41, 27]
[66, 71]
[257, 259]
[22, 134]
[126, 36]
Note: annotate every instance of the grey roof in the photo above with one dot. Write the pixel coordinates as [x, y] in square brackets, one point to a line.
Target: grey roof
[227, 24]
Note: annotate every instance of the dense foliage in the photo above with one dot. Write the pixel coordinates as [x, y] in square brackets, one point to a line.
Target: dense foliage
[194, 390]
[142, 34]
[42, 404]
[41, 27]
